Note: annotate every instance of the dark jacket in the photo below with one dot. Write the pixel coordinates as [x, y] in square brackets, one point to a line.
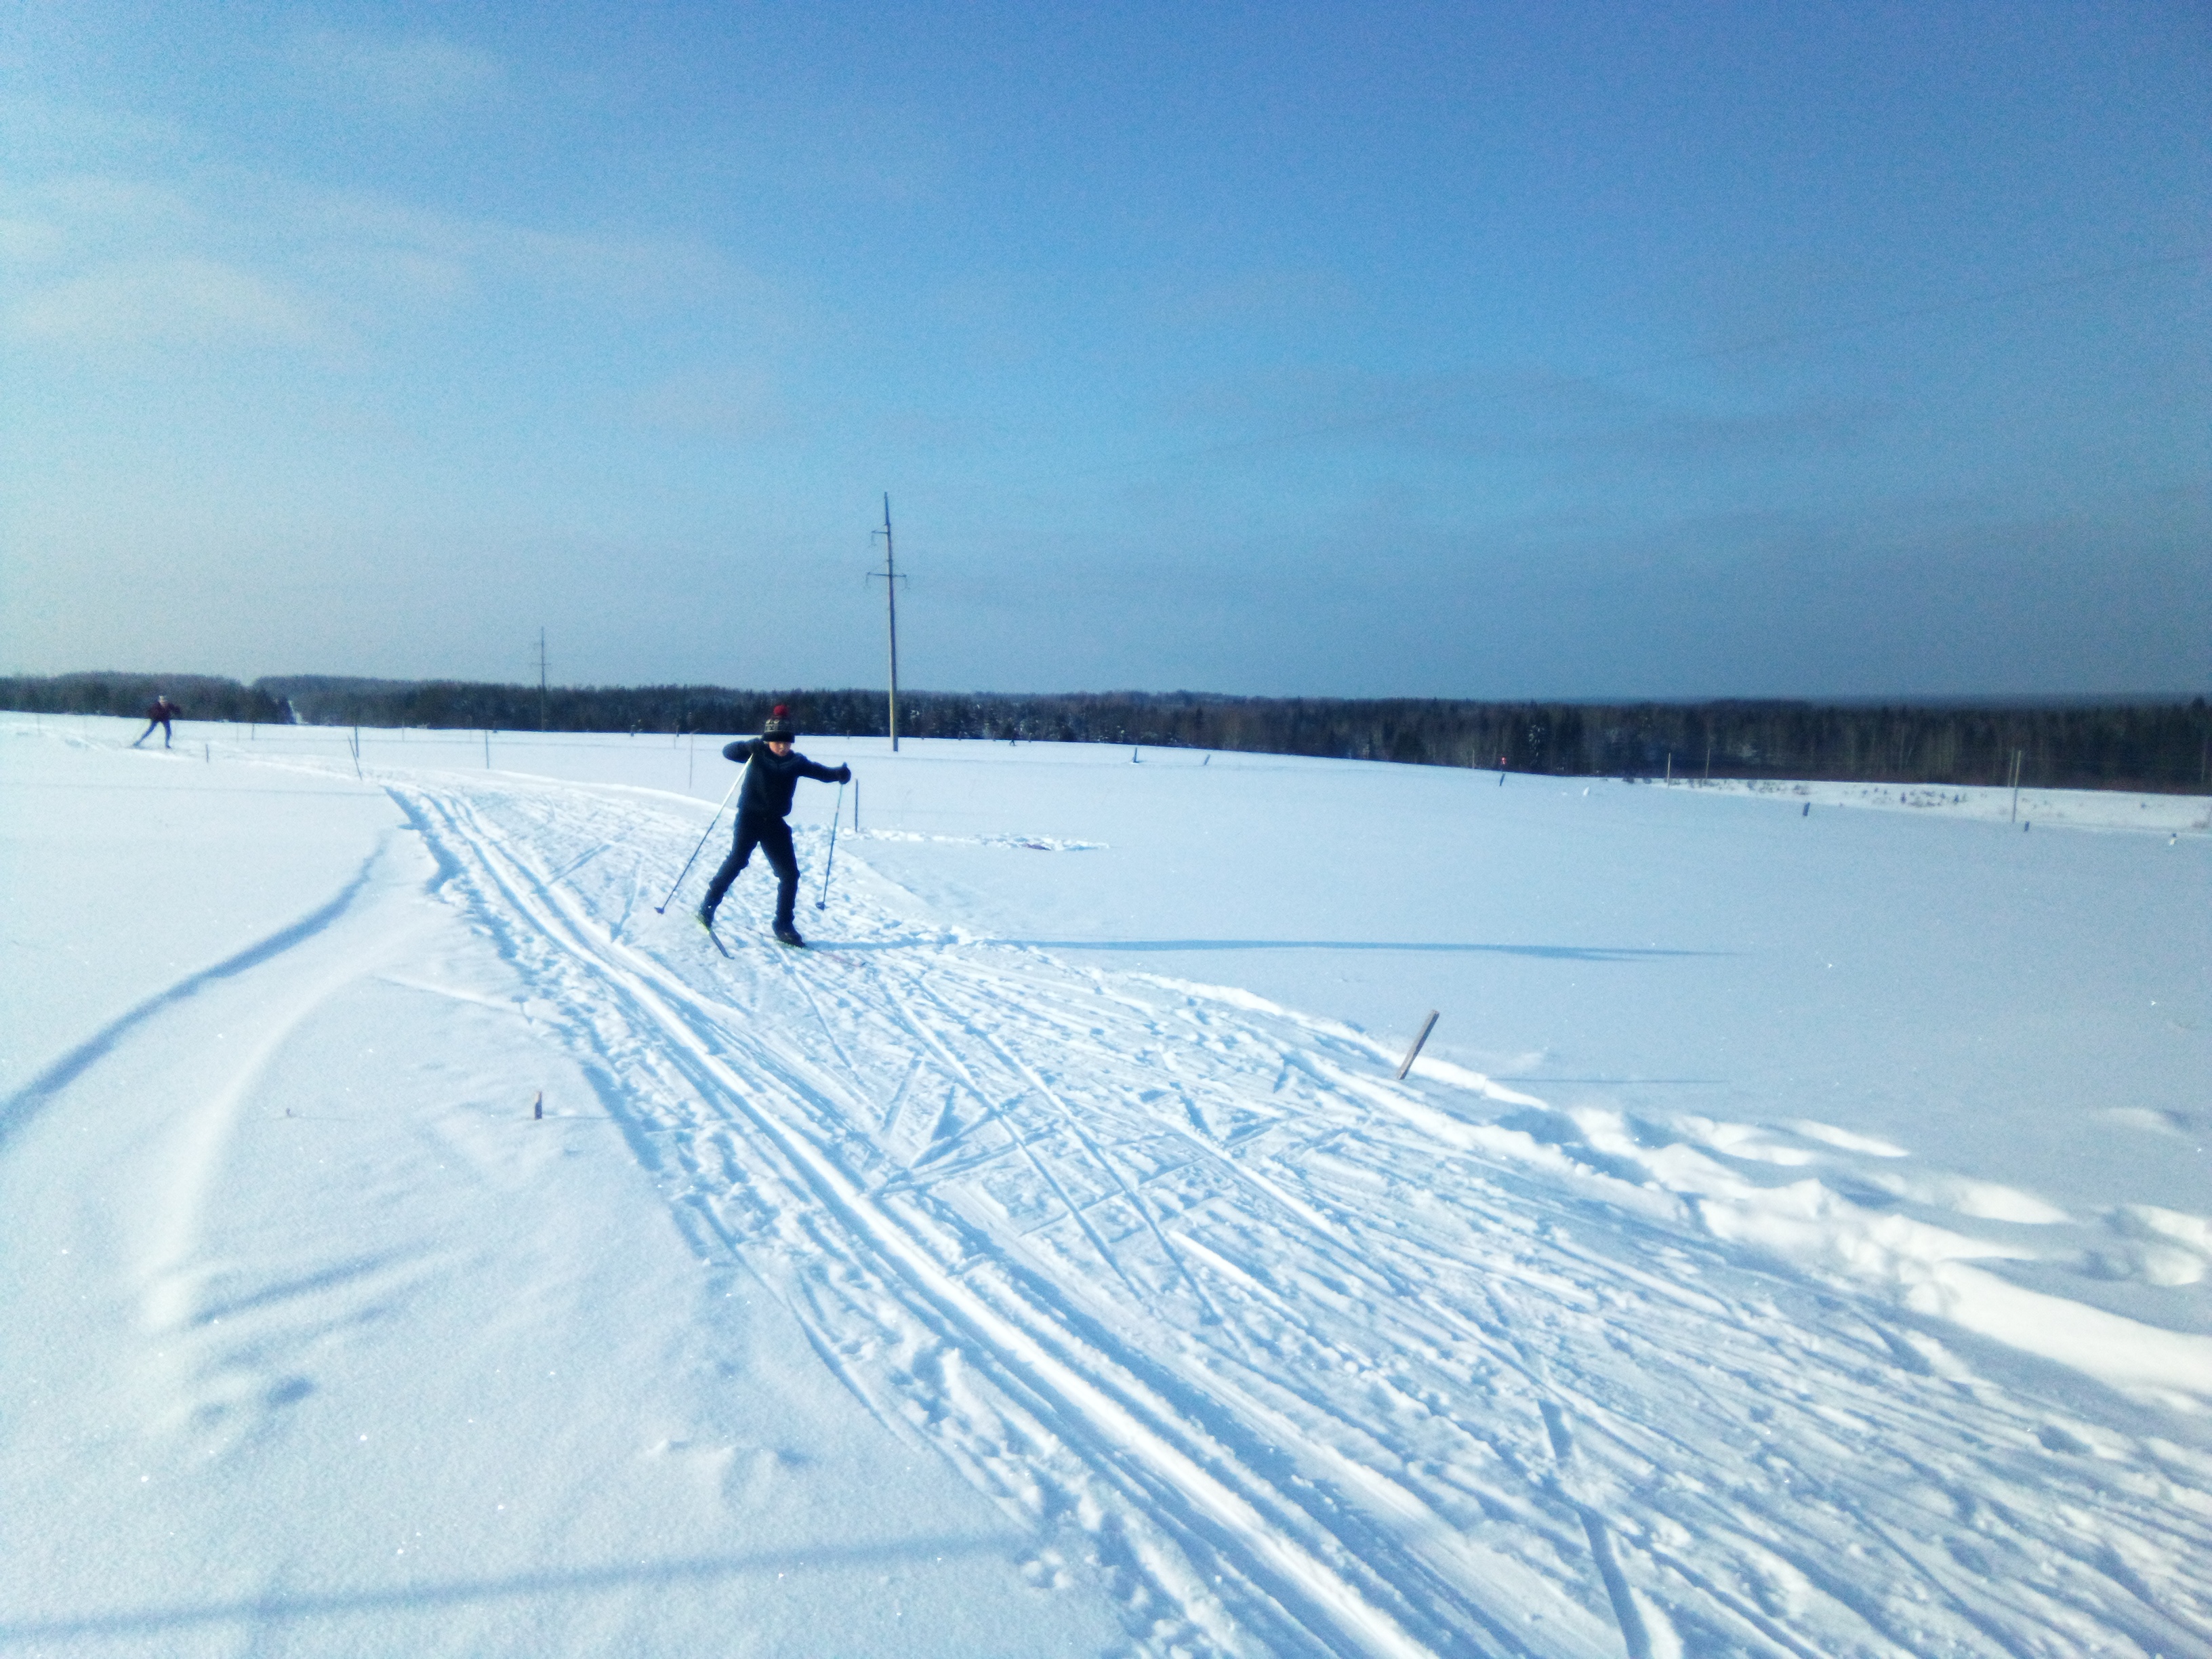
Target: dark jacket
[769, 782]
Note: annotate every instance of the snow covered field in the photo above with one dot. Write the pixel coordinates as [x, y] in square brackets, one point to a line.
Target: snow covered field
[1794, 1239]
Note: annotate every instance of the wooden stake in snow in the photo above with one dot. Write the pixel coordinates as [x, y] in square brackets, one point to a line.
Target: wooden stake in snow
[1413, 1052]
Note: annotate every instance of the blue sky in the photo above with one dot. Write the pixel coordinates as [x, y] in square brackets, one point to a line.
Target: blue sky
[1489, 351]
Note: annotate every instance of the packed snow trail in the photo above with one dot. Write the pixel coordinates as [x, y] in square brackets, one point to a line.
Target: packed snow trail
[317, 1342]
[1302, 1358]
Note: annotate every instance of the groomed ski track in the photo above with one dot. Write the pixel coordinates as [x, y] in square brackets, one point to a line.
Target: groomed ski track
[1297, 1358]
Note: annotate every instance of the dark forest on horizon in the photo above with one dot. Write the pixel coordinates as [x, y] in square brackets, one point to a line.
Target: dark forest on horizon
[2143, 745]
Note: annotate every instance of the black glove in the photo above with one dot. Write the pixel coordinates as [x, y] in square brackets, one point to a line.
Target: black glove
[844, 774]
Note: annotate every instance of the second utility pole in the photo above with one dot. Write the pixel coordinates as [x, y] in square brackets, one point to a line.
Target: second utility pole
[890, 594]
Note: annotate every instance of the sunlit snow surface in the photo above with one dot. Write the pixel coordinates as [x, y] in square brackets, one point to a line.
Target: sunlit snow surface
[1794, 1239]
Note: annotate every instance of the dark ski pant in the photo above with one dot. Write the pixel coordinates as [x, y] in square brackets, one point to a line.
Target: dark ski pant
[773, 837]
[148, 732]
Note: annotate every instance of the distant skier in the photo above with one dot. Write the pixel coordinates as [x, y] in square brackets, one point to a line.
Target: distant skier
[773, 769]
[159, 712]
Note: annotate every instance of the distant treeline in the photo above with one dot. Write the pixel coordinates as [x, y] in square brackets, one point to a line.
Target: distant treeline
[202, 696]
[2167, 746]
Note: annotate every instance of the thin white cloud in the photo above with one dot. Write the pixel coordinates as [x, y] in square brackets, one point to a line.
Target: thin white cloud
[30, 242]
[105, 200]
[176, 301]
[735, 404]
[411, 75]
[220, 258]
[384, 278]
[640, 270]
[73, 218]
[38, 130]
[92, 259]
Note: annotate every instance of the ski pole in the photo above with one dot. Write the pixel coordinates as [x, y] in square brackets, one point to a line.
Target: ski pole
[661, 909]
[823, 903]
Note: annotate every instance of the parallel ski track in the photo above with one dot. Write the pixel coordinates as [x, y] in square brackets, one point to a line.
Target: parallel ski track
[1171, 1463]
[1134, 1255]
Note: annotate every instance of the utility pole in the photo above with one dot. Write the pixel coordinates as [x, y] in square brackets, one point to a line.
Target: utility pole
[541, 679]
[891, 580]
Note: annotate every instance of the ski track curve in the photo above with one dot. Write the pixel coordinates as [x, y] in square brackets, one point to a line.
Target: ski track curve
[1192, 1285]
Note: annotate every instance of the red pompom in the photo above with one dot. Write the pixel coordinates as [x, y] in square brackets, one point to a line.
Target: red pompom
[781, 710]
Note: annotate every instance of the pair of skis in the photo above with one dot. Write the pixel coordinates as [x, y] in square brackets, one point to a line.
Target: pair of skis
[794, 942]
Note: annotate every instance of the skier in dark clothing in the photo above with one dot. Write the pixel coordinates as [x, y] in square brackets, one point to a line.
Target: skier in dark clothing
[159, 712]
[773, 769]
